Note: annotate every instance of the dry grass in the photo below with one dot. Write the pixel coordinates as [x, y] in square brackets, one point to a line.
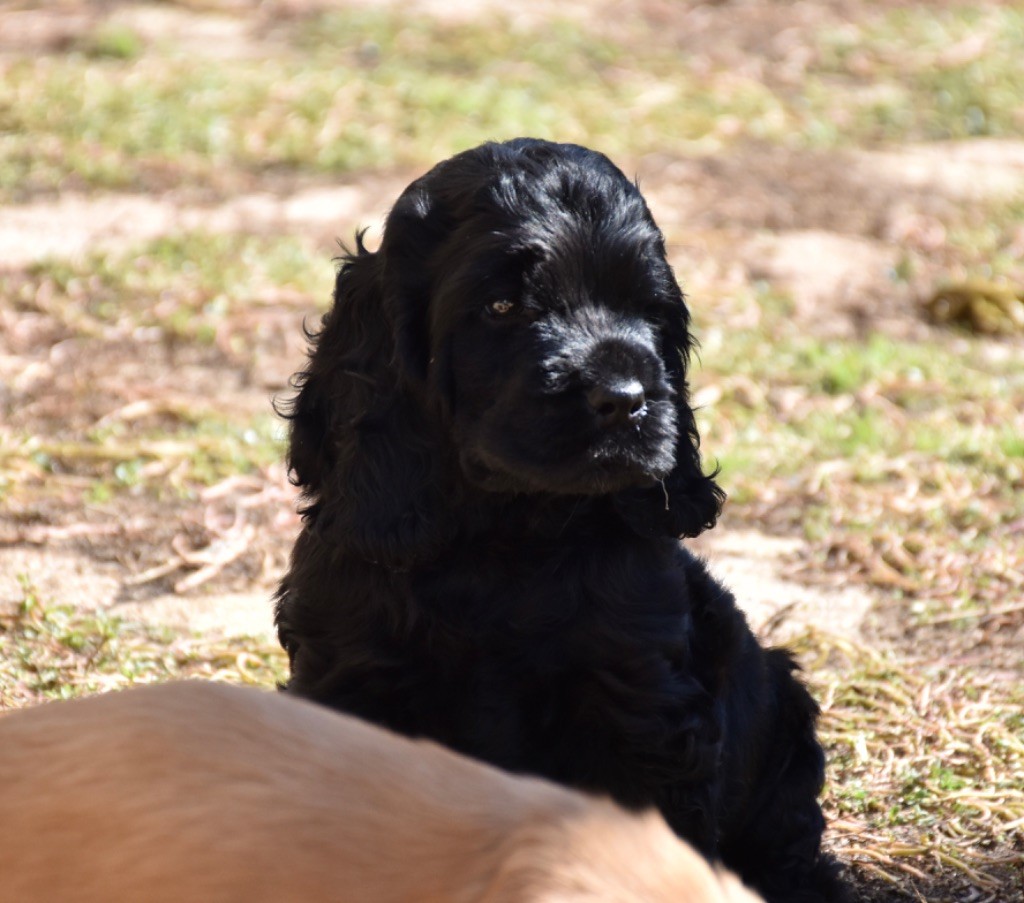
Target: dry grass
[58, 651]
[926, 761]
[135, 380]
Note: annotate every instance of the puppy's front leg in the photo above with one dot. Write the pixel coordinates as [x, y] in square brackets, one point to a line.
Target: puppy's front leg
[690, 810]
[664, 731]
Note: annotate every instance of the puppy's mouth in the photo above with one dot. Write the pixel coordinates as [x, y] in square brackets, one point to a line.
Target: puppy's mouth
[601, 478]
[610, 463]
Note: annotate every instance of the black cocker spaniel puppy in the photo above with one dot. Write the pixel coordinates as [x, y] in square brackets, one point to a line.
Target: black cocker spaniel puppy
[498, 456]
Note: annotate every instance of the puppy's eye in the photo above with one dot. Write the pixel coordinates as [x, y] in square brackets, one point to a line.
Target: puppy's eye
[500, 308]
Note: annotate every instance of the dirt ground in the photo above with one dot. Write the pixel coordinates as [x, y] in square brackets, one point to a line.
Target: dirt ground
[826, 228]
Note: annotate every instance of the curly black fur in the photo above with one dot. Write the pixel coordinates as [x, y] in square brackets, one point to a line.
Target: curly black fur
[498, 455]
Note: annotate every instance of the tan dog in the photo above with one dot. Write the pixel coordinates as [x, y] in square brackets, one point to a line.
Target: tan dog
[201, 792]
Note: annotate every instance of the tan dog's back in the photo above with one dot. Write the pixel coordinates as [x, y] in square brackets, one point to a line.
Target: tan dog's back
[201, 793]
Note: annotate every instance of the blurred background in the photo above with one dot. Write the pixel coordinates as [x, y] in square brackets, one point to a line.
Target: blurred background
[841, 185]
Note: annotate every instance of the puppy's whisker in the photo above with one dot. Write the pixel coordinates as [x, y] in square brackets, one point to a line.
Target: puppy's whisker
[362, 377]
[572, 514]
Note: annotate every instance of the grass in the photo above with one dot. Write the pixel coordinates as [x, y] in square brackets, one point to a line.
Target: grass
[899, 461]
[363, 89]
[112, 41]
[850, 398]
[925, 761]
[186, 286]
[193, 289]
[54, 650]
[924, 74]
[986, 242]
[162, 463]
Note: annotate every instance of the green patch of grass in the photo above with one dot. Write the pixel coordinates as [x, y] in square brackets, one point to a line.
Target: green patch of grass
[375, 38]
[113, 41]
[1011, 443]
[221, 449]
[51, 650]
[900, 462]
[170, 460]
[195, 288]
[189, 286]
[212, 263]
[843, 395]
[361, 90]
[921, 74]
[358, 89]
[986, 242]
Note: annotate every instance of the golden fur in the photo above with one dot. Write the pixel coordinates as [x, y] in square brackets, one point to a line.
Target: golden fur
[205, 792]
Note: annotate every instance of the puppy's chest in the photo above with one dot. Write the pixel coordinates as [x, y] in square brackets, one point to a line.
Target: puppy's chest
[528, 585]
[541, 612]
[530, 659]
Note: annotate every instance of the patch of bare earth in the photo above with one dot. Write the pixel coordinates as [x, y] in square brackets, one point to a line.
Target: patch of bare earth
[228, 32]
[75, 224]
[826, 229]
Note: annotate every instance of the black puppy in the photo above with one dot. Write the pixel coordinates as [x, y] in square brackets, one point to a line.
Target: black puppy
[495, 443]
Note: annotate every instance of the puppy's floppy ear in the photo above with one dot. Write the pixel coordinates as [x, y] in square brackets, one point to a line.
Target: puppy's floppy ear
[688, 501]
[363, 445]
[416, 227]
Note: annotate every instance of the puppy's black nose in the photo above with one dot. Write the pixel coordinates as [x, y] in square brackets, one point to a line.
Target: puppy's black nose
[619, 403]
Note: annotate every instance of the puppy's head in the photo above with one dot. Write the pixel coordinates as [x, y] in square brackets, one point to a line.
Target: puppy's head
[520, 331]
